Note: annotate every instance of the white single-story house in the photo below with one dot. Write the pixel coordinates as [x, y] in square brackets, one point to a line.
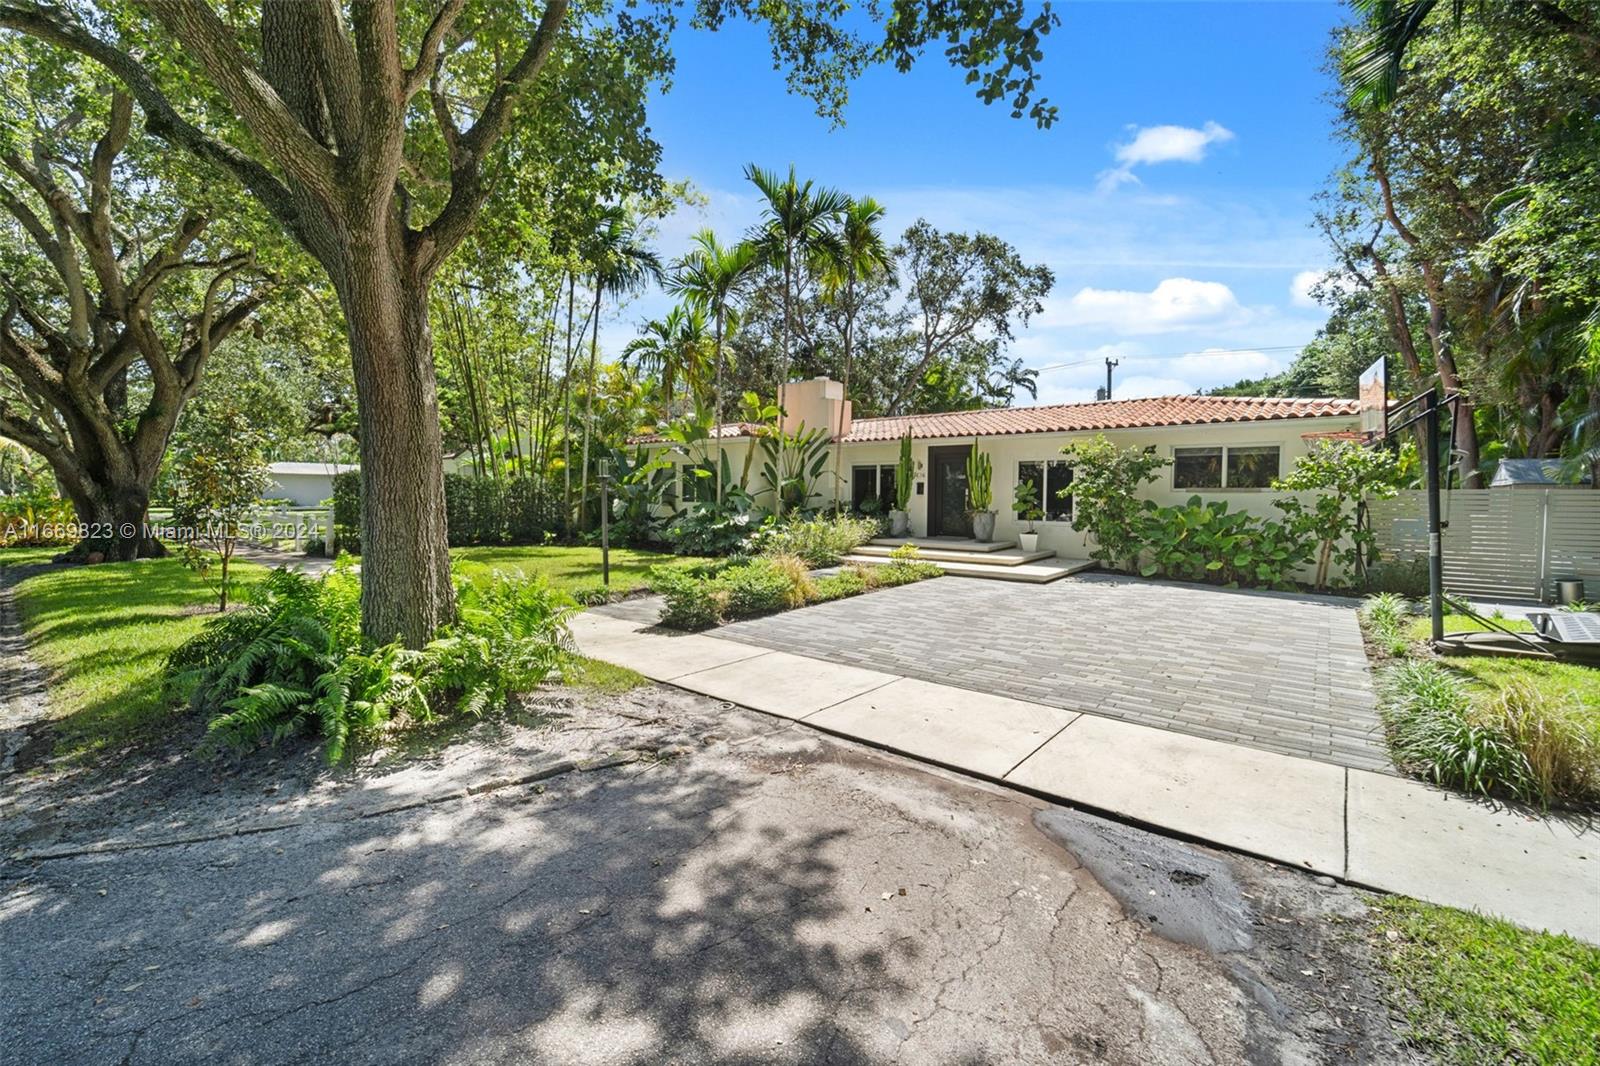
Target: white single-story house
[1221, 448]
[304, 484]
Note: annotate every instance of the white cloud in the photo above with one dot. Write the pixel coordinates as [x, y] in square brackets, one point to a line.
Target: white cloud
[1300, 288]
[1161, 144]
[1174, 304]
[1220, 366]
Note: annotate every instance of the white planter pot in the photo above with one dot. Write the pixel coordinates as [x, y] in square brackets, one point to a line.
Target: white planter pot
[983, 525]
[1028, 541]
[899, 523]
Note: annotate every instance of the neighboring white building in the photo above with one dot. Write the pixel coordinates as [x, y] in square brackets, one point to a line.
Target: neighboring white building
[305, 484]
[1222, 448]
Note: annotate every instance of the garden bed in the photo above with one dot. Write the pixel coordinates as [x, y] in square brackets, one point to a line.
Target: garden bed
[1514, 728]
[767, 584]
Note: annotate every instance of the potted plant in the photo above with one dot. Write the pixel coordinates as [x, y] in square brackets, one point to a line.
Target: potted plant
[1026, 503]
[980, 494]
[904, 473]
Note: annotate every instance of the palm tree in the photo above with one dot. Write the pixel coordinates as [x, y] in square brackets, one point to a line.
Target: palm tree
[710, 276]
[857, 253]
[673, 348]
[620, 263]
[796, 220]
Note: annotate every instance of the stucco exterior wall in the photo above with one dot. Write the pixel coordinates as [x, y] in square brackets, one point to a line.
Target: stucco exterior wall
[301, 490]
[1007, 451]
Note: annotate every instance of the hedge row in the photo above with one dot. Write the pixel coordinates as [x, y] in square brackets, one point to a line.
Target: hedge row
[477, 511]
[708, 596]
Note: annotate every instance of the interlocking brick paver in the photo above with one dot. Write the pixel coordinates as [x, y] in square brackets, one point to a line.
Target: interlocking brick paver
[1269, 670]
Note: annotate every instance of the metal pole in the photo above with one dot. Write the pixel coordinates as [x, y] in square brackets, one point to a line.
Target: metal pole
[1109, 364]
[1430, 431]
[605, 523]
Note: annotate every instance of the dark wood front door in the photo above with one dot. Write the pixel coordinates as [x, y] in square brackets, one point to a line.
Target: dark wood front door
[947, 491]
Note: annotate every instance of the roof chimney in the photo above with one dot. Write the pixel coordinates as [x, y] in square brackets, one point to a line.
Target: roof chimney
[817, 403]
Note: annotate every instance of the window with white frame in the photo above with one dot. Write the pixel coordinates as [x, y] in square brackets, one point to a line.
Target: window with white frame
[1052, 484]
[1232, 466]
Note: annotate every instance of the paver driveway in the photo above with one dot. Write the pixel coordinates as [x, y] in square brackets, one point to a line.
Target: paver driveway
[1276, 671]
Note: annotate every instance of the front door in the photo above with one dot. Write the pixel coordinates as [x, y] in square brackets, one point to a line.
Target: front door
[947, 491]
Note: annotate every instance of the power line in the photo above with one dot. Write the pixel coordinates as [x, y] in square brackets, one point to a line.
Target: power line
[1175, 355]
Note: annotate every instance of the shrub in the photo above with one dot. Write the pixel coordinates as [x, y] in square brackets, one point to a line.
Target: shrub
[293, 660]
[798, 575]
[1560, 745]
[712, 529]
[1341, 474]
[1105, 479]
[1433, 731]
[820, 541]
[1408, 577]
[1387, 617]
[1207, 542]
[690, 601]
[347, 511]
[850, 582]
[904, 573]
[36, 520]
[756, 587]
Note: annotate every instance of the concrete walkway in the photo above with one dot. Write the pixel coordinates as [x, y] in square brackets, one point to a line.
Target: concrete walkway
[1371, 829]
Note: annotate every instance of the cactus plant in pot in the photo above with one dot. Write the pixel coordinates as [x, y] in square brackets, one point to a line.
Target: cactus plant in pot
[905, 472]
[980, 494]
[1025, 501]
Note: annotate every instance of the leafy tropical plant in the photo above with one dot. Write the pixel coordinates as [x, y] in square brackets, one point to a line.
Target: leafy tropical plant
[980, 481]
[640, 480]
[792, 464]
[1025, 502]
[36, 519]
[707, 527]
[1202, 541]
[1105, 483]
[1341, 474]
[293, 661]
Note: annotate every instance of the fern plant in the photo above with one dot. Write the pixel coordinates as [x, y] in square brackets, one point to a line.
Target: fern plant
[293, 660]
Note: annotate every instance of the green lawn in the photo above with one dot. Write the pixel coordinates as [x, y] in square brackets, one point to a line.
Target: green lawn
[103, 632]
[1557, 680]
[574, 569]
[1476, 990]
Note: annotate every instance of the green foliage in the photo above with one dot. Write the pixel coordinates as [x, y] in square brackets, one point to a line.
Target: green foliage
[906, 553]
[980, 480]
[1342, 474]
[478, 510]
[638, 490]
[220, 475]
[1406, 577]
[710, 596]
[1105, 480]
[820, 541]
[347, 511]
[710, 528]
[1025, 502]
[792, 464]
[292, 661]
[1207, 542]
[1426, 711]
[905, 472]
[1476, 990]
[1387, 618]
[36, 519]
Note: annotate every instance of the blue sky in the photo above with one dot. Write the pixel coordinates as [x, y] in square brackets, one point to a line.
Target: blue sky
[1172, 199]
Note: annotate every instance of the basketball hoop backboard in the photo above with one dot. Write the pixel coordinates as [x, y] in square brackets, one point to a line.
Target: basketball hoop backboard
[1374, 396]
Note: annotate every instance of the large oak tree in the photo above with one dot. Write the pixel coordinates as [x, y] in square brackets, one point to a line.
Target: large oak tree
[115, 295]
[374, 132]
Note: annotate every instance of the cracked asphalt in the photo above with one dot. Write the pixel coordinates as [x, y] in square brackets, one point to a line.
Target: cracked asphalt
[746, 891]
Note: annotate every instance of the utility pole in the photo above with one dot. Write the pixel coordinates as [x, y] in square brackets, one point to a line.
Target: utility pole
[1430, 430]
[1109, 364]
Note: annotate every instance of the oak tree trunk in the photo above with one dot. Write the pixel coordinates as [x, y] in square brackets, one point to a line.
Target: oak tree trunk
[405, 562]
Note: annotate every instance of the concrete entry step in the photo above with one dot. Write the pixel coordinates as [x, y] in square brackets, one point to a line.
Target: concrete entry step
[958, 544]
[1036, 573]
[1003, 557]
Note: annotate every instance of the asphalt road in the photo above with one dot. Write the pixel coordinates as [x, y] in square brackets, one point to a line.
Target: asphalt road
[747, 892]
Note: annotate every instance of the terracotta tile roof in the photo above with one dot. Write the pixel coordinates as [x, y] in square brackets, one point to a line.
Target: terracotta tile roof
[1105, 414]
[1074, 417]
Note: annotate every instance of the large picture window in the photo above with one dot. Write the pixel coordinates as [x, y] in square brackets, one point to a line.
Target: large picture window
[1236, 466]
[1050, 481]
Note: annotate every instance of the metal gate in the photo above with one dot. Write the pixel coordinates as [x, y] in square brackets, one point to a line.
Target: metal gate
[1513, 543]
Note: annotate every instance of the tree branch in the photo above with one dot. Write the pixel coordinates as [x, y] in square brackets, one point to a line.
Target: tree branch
[212, 45]
[428, 55]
